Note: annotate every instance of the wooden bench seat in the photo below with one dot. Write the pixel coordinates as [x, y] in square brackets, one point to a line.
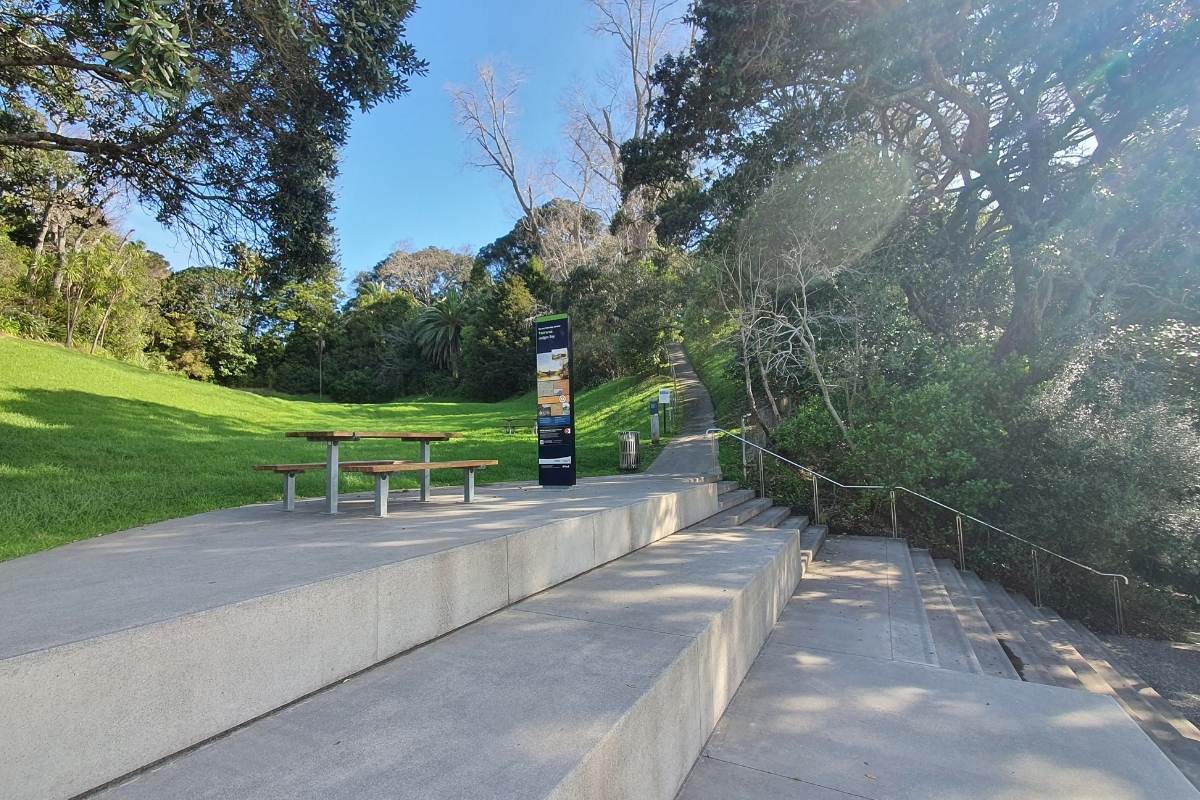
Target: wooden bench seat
[290, 471]
[383, 471]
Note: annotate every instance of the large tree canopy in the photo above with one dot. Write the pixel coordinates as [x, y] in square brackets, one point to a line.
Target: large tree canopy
[1013, 113]
[203, 109]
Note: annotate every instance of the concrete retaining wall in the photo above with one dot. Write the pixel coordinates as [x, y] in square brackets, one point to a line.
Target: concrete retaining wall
[80, 715]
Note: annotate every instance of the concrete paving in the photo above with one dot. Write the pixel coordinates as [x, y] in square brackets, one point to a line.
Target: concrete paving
[168, 569]
[691, 451]
[121, 650]
[602, 687]
[863, 600]
[823, 716]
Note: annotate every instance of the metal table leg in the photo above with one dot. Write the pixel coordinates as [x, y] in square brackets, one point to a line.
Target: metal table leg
[469, 485]
[381, 495]
[425, 473]
[331, 477]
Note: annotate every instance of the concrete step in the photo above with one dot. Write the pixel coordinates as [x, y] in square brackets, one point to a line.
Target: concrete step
[992, 658]
[726, 486]
[604, 686]
[738, 515]
[1178, 738]
[733, 497]
[773, 517]
[812, 538]
[950, 640]
[121, 650]
[1005, 629]
[1063, 647]
[907, 606]
[797, 522]
[827, 711]
[1051, 668]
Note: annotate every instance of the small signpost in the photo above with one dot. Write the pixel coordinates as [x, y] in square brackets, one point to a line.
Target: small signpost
[654, 432]
[666, 408]
[556, 409]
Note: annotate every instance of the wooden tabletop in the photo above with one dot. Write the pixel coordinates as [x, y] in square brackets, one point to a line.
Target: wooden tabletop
[407, 436]
[419, 466]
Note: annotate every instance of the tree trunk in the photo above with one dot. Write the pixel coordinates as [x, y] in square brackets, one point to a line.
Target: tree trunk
[98, 339]
[60, 270]
[1023, 333]
[72, 318]
[750, 384]
[39, 242]
[762, 373]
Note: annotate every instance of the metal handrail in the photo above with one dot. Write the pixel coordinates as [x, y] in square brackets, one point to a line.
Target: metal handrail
[1116, 577]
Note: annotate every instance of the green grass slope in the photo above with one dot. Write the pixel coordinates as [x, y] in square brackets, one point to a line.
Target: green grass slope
[89, 446]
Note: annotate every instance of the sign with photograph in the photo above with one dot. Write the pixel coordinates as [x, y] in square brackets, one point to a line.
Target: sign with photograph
[556, 413]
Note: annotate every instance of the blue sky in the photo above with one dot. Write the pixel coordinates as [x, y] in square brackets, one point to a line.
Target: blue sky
[403, 173]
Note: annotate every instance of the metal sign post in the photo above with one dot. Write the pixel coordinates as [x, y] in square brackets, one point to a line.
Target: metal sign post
[556, 407]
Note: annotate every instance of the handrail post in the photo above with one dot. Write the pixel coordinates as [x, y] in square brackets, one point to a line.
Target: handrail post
[762, 481]
[1119, 612]
[716, 452]
[816, 500]
[1037, 579]
[962, 553]
[745, 456]
[895, 527]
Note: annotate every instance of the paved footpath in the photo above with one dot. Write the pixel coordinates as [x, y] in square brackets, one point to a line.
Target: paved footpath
[690, 453]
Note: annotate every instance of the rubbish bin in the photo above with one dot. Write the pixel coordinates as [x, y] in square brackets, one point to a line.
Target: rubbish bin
[630, 445]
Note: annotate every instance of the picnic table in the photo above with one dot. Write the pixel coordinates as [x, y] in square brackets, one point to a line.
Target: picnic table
[333, 438]
[512, 423]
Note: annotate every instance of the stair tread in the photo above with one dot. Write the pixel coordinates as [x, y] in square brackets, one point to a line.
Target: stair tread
[954, 650]
[1128, 685]
[797, 521]
[1063, 647]
[772, 517]
[727, 500]
[1177, 737]
[904, 596]
[737, 515]
[1007, 633]
[1049, 667]
[992, 658]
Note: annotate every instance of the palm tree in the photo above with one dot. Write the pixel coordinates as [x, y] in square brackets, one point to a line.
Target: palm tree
[439, 330]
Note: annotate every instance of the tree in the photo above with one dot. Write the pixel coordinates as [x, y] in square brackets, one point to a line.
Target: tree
[372, 353]
[208, 316]
[185, 103]
[498, 343]
[438, 331]
[784, 276]
[426, 274]
[1010, 114]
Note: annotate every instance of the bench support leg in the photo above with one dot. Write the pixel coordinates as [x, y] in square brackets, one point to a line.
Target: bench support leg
[381, 495]
[331, 478]
[289, 491]
[469, 485]
[425, 473]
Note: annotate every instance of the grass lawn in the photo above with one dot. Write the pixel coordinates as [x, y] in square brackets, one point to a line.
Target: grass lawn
[89, 446]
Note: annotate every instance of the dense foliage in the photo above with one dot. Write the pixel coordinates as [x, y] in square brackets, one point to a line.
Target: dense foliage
[225, 119]
[956, 247]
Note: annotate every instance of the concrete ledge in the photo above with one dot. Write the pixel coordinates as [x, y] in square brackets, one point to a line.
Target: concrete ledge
[86, 712]
[605, 686]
